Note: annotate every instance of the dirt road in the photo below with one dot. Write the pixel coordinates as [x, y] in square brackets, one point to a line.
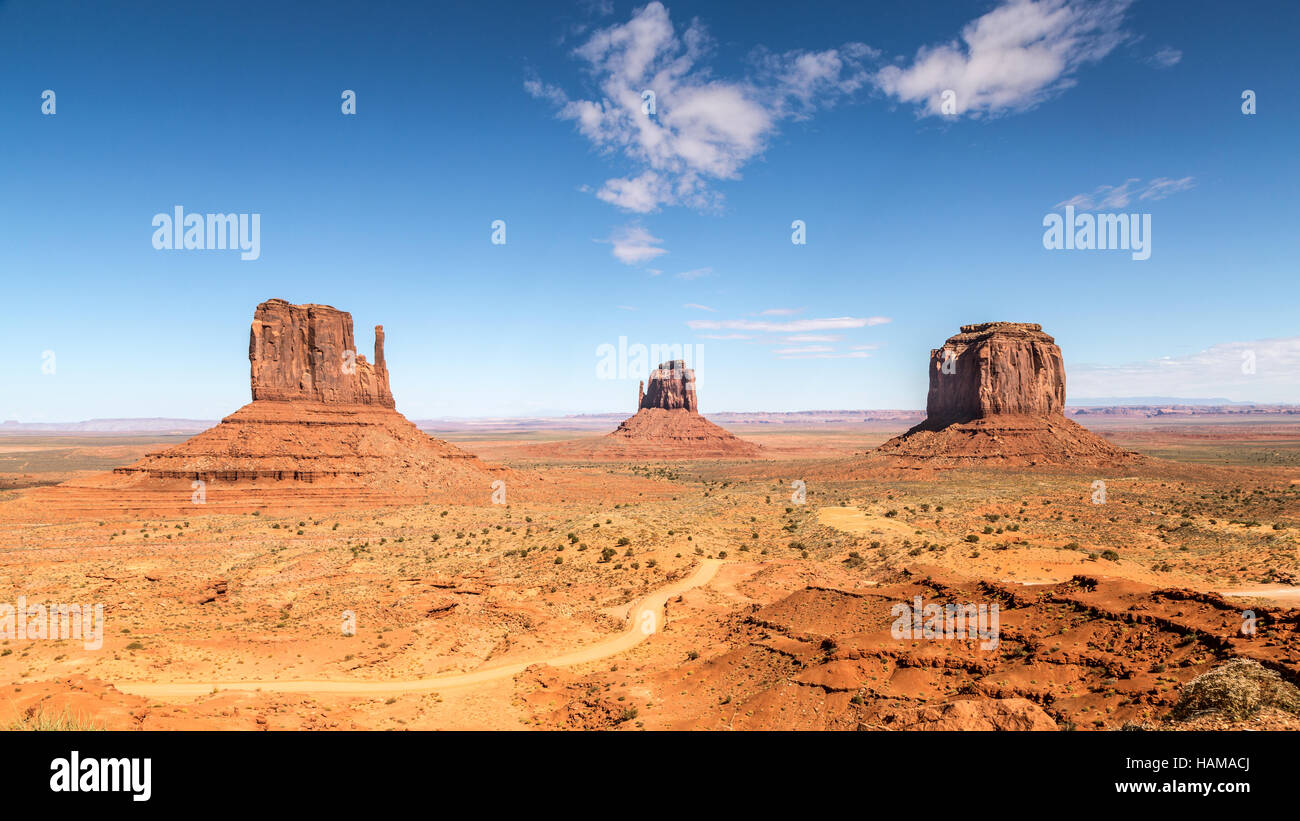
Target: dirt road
[645, 618]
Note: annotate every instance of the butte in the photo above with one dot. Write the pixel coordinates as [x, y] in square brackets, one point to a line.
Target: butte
[322, 429]
[997, 397]
[667, 425]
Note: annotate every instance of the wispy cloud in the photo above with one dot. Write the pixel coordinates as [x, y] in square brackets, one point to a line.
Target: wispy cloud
[814, 338]
[804, 349]
[852, 355]
[1119, 196]
[695, 273]
[703, 128]
[634, 244]
[1167, 57]
[598, 8]
[726, 336]
[793, 326]
[1013, 58]
[1220, 370]
[699, 307]
[781, 312]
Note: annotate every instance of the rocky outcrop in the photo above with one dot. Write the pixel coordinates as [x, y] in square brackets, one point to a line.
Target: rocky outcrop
[672, 387]
[997, 396]
[308, 353]
[666, 425]
[996, 368]
[319, 414]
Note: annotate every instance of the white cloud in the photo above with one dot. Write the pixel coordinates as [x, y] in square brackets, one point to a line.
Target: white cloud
[1167, 57]
[695, 273]
[634, 245]
[703, 128]
[1216, 371]
[699, 307]
[794, 326]
[814, 338]
[804, 349]
[1119, 196]
[781, 312]
[726, 336]
[1013, 58]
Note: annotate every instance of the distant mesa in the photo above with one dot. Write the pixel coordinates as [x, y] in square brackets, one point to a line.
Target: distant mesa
[667, 425]
[320, 412]
[668, 422]
[997, 396]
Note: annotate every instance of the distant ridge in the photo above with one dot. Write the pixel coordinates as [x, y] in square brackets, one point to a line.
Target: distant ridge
[1139, 406]
[1128, 401]
[145, 425]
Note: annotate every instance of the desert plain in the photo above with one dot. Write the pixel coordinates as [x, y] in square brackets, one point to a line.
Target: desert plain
[766, 583]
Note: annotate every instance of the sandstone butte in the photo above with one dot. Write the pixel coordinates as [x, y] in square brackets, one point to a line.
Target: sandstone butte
[668, 421]
[320, 413]
[667, 425]
[997, 397]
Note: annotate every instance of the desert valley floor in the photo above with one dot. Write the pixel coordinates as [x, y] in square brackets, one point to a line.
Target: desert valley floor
[769, 610]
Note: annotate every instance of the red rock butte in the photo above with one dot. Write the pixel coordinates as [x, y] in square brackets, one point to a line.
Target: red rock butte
[306, 353]
[667, 425]
[668, 422]
[997, 396]
[320, 413]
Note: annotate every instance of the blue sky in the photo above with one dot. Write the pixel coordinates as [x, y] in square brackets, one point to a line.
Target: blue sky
[670, 229]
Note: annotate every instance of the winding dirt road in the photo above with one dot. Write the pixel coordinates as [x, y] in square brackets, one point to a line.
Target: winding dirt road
[645, 618]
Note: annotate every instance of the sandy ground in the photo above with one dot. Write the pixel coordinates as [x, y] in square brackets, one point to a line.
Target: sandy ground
[770, 581]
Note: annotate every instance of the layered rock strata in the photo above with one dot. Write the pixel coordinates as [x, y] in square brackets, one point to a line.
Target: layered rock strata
[997, 396]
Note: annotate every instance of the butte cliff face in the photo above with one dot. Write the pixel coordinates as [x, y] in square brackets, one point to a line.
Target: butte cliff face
[307, 353]
[997, 396]
[320, 413]
[672, 387]
[996, 368]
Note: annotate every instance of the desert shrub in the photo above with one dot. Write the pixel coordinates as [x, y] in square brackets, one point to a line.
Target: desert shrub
[38, 719]
[1237, 690]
